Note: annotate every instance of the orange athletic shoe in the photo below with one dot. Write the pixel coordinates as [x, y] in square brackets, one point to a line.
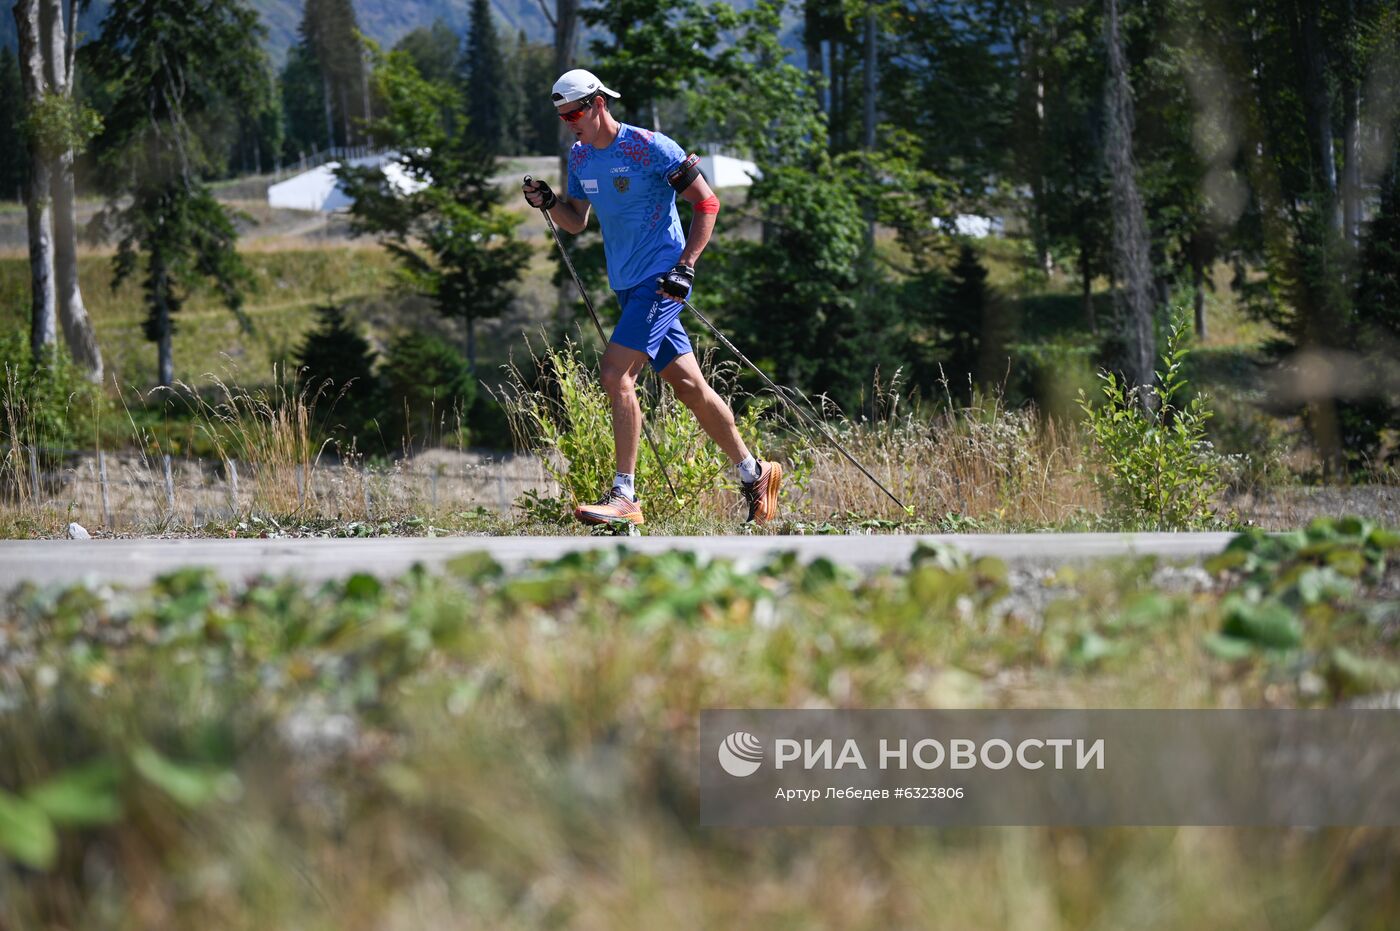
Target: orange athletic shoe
[762, 493]
[613, 508]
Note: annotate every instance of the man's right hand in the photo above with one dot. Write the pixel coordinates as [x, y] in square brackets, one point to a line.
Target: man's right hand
[538, 194]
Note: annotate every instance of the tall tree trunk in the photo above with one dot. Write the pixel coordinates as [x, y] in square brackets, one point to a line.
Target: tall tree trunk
[1351, 136]
[1131, 251]
[872, 74]
[838, 94]
[1032, 111]
[1318, 103]
[1323, 320]
[1086, 289]
[871, 68]
[326, 96]
[565, 41]
[812, 43]
[1198, 281]
[166, 354]
[72, 313]
[345, 120]
[43, 305]
[160, 293]
[364, 90]
[38, 196]
[471, 344]
[1351, 169]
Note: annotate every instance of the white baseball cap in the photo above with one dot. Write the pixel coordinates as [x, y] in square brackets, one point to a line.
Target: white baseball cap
[578, 84]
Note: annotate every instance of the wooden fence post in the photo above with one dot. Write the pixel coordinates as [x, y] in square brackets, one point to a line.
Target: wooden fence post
[34, 474]
[102, 482]
[232, 485]
[169, 484]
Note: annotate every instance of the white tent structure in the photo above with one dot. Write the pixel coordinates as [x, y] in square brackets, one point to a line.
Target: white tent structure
[972, 226]
[318, 189]
[722, 171]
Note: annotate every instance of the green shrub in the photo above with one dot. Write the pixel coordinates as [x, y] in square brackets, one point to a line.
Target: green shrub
[1151, 460]
[49, 405]
[567, 420]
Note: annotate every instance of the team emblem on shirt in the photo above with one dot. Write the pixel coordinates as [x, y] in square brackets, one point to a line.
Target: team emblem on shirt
[622, 183]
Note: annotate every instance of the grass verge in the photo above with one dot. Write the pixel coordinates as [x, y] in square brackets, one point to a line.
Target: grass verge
[519, 748]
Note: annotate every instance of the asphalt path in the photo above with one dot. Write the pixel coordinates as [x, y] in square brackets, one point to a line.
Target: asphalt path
[135, 562]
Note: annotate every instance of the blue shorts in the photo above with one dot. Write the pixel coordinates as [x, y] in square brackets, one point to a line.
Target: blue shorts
[651, 324]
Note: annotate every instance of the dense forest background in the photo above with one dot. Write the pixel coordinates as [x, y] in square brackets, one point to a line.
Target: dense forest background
[1134, 161]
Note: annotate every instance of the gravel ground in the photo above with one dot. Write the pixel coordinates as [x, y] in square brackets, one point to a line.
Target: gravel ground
[1286, 508]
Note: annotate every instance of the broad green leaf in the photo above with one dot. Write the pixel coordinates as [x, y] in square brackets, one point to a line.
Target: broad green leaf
[81, 796]
[191, 786]
[363, 587]
[1356, 675]
[1268, 623]
[26, 833]
[1227, 648]
[475, 567]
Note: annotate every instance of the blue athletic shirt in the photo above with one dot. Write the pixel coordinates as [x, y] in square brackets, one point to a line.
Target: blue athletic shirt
[636, 206]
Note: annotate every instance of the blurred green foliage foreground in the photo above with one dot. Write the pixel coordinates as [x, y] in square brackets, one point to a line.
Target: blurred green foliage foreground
[491, 749]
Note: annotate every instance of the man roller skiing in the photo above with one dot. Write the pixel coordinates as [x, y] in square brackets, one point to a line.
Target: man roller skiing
[631, 176]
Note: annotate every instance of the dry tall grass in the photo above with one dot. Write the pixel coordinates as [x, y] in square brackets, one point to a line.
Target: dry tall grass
[983, 464]
[984, 461]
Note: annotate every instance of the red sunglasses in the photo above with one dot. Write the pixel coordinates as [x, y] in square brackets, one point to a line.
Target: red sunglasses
[573, 116]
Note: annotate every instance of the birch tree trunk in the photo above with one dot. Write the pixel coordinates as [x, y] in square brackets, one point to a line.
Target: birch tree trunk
[72, 313]
[39, 214]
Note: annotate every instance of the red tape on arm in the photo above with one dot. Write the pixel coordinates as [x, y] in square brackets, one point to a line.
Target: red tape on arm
[708, 205]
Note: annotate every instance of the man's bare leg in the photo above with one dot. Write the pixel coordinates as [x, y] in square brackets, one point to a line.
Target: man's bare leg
[716, 419]
[621, 366]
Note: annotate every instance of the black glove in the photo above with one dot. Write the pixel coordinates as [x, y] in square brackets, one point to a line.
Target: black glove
[677, 282]
[538, 194]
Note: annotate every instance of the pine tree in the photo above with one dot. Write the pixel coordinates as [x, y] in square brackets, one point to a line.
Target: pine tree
[530, 126]
[433, 51]
[330, 38]
[170, 66]
[484, 71]
[336, 359]
[960, 321]
[1365, 423]
[303, 103]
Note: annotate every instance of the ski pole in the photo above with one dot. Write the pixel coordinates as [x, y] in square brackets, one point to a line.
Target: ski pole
[782, 396]
[588, 302]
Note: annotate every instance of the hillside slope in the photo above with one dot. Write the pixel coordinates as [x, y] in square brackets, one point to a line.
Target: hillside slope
[385, 21]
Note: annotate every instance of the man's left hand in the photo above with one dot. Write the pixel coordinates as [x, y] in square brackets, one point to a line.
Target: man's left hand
[677, 282]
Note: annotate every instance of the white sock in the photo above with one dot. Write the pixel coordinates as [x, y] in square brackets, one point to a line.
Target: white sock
[748, 470]
[625, 482]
